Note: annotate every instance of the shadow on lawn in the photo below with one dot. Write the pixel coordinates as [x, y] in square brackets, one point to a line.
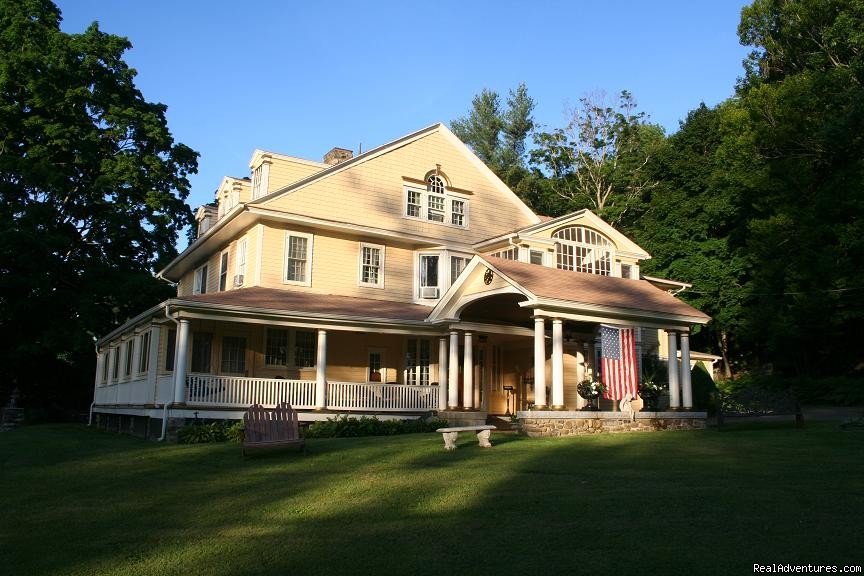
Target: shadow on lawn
[670, 502]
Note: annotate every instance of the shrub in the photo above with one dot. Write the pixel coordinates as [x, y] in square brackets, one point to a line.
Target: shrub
[213, 431]
[349, 426]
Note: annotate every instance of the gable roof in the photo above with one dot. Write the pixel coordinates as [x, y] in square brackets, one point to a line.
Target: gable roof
[399, 142]
[568, 292]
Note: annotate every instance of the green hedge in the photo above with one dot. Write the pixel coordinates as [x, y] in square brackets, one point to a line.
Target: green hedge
[348, 426]
[832, 390]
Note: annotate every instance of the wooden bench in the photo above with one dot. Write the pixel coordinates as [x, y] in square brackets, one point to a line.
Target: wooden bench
[278, 428]
[483, 433]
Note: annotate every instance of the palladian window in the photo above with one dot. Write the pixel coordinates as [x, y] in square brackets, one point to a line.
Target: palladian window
[583, 250]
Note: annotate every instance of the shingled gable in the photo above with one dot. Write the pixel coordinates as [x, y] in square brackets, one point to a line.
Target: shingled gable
[374, 153]
[570, 291]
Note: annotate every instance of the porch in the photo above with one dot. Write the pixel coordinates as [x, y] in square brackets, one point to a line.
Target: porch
[216, 392]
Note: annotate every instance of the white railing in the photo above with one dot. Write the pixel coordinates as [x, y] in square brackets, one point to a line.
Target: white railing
[381, 397]
[243, 392]
[202, 389]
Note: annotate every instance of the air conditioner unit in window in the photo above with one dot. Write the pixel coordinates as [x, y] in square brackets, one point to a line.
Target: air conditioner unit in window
[238, 280]
[429, 292]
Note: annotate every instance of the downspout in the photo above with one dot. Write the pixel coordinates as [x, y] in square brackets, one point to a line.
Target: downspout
[167, 404]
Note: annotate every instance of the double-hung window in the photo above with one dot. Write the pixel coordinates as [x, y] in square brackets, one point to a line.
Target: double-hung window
[371, 265]
[144, 358]
[202, 345]
[130, 346]
[223, 271]
[457, 265]
[240, 278]
[233, 355]
[429, 286]
[276, 353]
[304, 349]
[199, 285]
[298, 258]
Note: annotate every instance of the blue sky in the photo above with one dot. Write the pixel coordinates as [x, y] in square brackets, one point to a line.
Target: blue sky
[301, 77]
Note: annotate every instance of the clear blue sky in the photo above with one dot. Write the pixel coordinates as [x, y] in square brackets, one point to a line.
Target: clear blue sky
[301, 77]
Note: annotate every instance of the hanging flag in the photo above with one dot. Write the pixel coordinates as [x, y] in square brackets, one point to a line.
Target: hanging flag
[619, 366]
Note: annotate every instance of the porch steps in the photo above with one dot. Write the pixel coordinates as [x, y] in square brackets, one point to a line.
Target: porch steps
[11, 418]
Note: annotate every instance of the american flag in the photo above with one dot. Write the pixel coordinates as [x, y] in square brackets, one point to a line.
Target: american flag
[619, 366]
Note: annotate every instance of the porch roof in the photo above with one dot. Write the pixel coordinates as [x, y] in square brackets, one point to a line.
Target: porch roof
[593, 289]
[298, 302]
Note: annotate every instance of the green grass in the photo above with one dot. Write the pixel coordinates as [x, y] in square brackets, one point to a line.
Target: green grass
[80, 501]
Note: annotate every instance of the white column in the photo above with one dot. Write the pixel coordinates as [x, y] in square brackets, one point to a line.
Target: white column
[557, 364]
[153, 360]
[100, 363]
[135, 342]
[540, 363]
[442, 373]
[674, 387]
[468, 374]
[180, 361]
[321, 372]
[686, 386]
[453, 372]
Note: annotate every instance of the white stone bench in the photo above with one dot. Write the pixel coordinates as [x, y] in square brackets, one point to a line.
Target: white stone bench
[450, 435]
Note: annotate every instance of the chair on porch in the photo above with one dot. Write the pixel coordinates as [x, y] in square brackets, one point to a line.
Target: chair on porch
[276, 428]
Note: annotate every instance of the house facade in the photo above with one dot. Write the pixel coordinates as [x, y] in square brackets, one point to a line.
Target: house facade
[406, 280]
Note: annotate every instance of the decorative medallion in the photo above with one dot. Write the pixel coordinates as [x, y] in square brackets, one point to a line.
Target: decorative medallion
[487, 277]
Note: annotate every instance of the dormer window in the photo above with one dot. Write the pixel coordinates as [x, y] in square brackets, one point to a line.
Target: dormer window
[583, 250]
[260, 177]
[436, 203]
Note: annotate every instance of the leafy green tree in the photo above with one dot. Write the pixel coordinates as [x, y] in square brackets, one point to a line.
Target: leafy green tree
[803, 91]
[598, 161]
[496, 135]
[92, 197]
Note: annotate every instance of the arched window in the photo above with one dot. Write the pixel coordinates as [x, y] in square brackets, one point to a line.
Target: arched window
[583, 250]
[435, 184]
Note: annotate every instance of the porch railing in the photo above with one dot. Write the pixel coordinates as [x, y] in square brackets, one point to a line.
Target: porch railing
[242, 392]
[381, 397]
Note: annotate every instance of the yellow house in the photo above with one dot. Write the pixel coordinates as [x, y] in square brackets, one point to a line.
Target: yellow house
[406, 280]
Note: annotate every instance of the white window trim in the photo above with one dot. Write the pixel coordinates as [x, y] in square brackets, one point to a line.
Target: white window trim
[451, 255]
[241, 258]
[448, 207]
[360, 283]
[228, 279]
[443, 266]
[309, 251]
[383, 353]
[196, 280]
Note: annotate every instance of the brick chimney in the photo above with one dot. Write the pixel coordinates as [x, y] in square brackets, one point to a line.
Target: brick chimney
[337, 155]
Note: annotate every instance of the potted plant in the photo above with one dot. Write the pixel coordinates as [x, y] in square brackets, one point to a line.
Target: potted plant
[590, 390]
[650, 391]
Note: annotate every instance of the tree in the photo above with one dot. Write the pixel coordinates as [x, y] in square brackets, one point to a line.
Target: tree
[92, 197]
[598, 161]
[805, 99]
[498, 136]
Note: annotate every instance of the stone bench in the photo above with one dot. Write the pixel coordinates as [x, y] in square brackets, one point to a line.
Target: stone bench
[483, 433]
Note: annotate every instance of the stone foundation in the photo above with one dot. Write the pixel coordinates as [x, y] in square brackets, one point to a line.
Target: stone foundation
[571, 423]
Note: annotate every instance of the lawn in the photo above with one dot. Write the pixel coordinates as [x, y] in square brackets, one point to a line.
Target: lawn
[80, 501]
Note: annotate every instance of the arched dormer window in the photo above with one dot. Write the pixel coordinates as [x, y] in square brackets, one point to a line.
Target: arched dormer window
[436, 203]
[583, 250]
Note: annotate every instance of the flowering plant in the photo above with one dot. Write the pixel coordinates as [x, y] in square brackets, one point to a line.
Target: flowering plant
[649, 389]
[590, 389]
